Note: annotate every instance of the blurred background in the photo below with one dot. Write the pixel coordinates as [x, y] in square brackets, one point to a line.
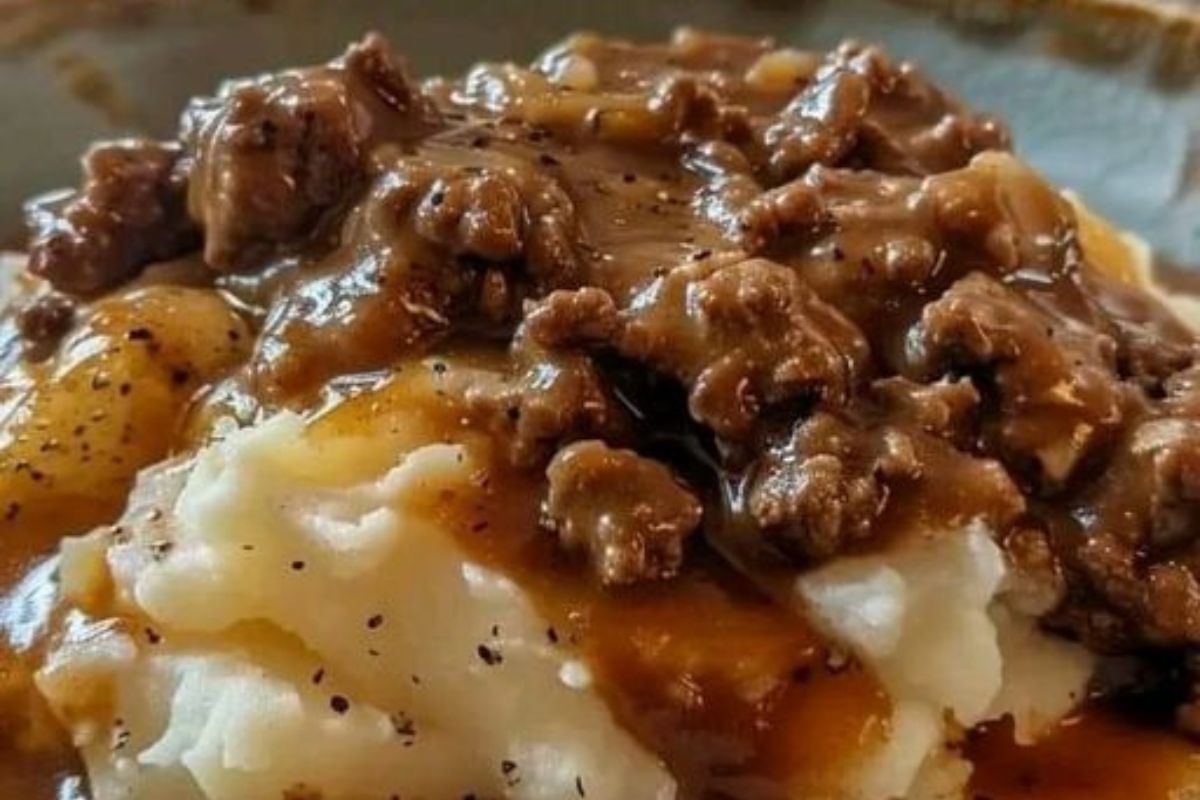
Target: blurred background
[1103, 95]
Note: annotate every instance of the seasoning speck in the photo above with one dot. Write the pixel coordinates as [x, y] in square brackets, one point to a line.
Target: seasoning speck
[339, 704]
[489, 656]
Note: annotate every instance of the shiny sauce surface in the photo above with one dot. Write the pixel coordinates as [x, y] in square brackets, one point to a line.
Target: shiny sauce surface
[814, 291]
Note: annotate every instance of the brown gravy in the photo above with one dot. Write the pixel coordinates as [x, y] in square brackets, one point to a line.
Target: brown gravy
[798, 282]
[1091, 756]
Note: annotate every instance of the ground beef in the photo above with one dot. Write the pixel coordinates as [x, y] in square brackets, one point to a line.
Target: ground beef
[794, 208]
[744, 337]
[1057, 396]
[846, 113]
[271, 158]
[1140, 556]
[496, 217]
[572, 319]
[693, 108]
[129, 212]
[45, 320]
[947, 408]
[551, 399]
[629, 514]
[552, 392]
[404, 291]
[821, 489]
[1152, 343]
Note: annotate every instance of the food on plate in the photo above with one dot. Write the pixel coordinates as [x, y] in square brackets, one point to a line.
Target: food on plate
[705, 419]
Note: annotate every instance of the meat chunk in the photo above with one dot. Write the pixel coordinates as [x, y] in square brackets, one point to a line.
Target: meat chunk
[270, 160]
[695, 109]
[795, 207]
[820, 490]
[629, 514]
[946, 408]
[129, 212]
[863, 107]
[572, 319]
[1152, 343]
[743, 337]
[820, 125]
[1139, 560]
[272, 157]
[552, 394]
[549, 399]
[1054, 378]
[46, 319]
[498, 216]
[482, 215]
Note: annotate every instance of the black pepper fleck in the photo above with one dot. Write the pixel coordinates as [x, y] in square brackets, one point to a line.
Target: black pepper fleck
[489, 656]
[509, 770]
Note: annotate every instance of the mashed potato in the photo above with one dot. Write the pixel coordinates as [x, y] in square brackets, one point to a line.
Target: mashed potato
[934, 623]
[274, 632]
[257, 627]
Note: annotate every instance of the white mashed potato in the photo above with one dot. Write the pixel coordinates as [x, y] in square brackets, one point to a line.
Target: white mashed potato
[256, 628]
[933, 623]
[296, 636]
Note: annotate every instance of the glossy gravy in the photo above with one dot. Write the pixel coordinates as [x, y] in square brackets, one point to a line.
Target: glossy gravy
[785, 256]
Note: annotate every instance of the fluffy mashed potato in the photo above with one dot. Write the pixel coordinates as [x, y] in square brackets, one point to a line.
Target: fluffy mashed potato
[258, 627]
[937, 622]
[276, 635]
